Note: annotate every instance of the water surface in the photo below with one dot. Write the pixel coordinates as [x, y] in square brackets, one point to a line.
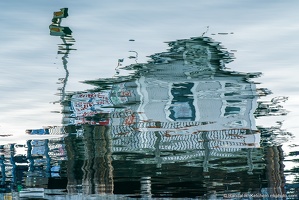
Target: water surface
[169, 111]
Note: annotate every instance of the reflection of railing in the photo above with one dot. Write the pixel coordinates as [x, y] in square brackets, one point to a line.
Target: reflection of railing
[220, 141]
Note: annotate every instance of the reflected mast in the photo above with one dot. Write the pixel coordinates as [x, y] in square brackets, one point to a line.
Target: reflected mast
[65, 35]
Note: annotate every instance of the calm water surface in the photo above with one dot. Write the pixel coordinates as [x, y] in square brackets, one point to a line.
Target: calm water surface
[149, 100]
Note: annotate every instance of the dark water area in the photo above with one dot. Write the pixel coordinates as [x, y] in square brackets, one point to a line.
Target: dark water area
[181, 125]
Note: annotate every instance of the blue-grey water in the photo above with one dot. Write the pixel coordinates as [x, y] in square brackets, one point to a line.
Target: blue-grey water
[157, 99]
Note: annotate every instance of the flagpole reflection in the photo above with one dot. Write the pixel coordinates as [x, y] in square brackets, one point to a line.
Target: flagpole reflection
[65, 34]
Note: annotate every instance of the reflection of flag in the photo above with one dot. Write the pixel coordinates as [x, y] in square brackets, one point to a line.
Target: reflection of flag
[59, 30]
[130, 120]
[89, 104]
[63, 13]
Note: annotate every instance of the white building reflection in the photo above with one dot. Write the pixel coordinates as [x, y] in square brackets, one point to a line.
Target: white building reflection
[182, 100]
[183, 106]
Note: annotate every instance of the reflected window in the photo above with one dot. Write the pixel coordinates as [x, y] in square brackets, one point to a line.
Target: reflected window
[232, 94]
[182, 101]
[232, 110]
[234, 101]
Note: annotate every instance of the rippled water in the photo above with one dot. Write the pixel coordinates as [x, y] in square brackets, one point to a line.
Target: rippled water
[137, 112]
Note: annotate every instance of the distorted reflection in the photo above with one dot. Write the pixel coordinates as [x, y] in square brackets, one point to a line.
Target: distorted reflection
[181, 125]
[65, 34]
[182, 100]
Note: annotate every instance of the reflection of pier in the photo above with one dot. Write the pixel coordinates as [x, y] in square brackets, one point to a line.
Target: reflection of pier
[36, 164]
[90, 170]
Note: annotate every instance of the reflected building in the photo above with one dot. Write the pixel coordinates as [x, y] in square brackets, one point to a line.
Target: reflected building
[182, 96]
[182, 109]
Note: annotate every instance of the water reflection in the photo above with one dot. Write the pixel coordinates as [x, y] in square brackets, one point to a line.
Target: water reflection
[181, 125]
[183, 101]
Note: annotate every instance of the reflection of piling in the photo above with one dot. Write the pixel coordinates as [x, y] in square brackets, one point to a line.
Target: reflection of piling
[275, 171]
[249, 162]
[157, 149]
[88, 172]
[2, 166]
[207, 152]
[146, 185]
[72, 154]
[103, 168]
[13, 164]
[97, 167]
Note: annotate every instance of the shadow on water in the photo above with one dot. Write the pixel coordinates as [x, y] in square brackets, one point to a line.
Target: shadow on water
[180, 125]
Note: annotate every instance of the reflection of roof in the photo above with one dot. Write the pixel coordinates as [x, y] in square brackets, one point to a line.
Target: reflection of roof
[187, 58]
[201, 51]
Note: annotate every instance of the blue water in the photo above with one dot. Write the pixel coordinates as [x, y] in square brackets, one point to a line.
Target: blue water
[149, 100]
